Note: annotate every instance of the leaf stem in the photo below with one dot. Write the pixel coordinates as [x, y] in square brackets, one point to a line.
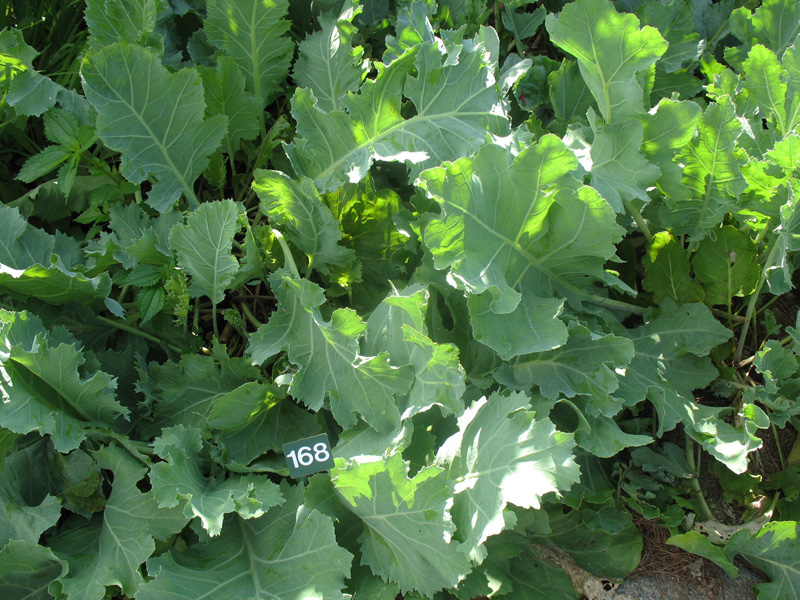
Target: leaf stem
[129, 329]
[778, 446]
[615, 304]
[134, 448]
[751, 305]
[214, 319]
[248, 314]
[694, 482]
[289, 259]
[640, 222]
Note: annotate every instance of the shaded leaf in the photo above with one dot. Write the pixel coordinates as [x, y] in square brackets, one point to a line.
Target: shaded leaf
[44, 387]
[204, 246]
[252, 33]
[668, 271]
[456, 100]
[111, 550]
[328, 64]
[179, 480]
[726, 265]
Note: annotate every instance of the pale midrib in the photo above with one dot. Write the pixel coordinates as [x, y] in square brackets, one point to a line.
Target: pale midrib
[386, 133]
[150, 134]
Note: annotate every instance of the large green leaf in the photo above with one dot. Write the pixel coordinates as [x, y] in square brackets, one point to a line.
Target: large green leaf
[619, 170]
[667, 129]
[152, 116]
[406, 525]
[712, 173]
[595, 550]
[502, 453]
[397, 326]
[327, 62]
[27, 569]
[327, 356]
[588, 365]
[204, 246]
[44, 387]
[611, 49]
[296, 206]
[24, 88]
[23, 517]
[288, 554]
[225, 95]
[505, 231]
[456, 100]
[533, 578]
[774, 550]
[668, 271]
[48, 268]
[252, 33]
[179, 479]
[671, 361]
[110, 550]
[184, 393]
[726, 265]
[569, 95]
[775, 24]
[112, 21]
[674, 21]
[255, 418]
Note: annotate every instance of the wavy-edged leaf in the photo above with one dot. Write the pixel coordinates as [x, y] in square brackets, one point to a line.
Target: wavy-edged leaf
[328, 64]
[620, 172]
[152, 116]
[204, 246]
[225, 95]
[32, 263]
[668, 271]
[507, 228]
[765, 81]
[586, 365]
[19, 520]
[671, 361]
[595, 550]
[110, 551]
[184, 393]
[611, 49]
[667, 129]
[288, 554]
[252, 33]
[456, 97]
[502, 454]
[406, 537]
[179, 480]
[112, 21]
[26, 570]
[775, 24]
[255, 418]
[397, 326]
[296, 205]
[712, 173]
[326, 354]
[674, 21]
[774, 550]
[43, 385]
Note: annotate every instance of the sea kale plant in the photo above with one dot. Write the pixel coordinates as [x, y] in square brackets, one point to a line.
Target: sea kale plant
[522, 263]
